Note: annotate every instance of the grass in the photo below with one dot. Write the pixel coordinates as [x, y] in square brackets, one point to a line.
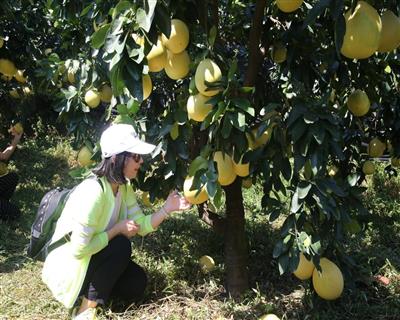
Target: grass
[177, 287]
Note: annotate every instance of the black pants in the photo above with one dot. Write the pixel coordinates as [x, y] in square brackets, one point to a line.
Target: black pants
[8, 184]
[113, 275]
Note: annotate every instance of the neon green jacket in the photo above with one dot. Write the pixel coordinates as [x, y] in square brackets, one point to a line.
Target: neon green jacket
[86, 213]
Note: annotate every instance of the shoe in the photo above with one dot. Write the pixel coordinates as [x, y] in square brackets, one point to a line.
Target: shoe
[88, 314]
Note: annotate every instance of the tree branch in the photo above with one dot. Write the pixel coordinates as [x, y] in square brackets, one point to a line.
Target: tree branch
[255, 54]
[213, 220]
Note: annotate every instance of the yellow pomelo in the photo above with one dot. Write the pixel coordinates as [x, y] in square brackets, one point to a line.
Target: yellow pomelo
[197, 107]
[226, 173]
[241, 169]
[358, 103]
[84, 157]
[247, 183]
[6, 78]
[147, 86]
[157, 57]
[106, 93]
[19, 76]
[71, 77]
[48, 51]
[146, 199]
[332, 171]
[179, 37]
[7, 67]
[368, 167]
[206, 263]
[269, 316]
[177, 66]
[395, 162]
[329, 283]
[18, 128]
[3, 168]
[92, 98]
[26, 90]
[254, 141]
[207, 70]
[304, 269]
[390, 35]
[14, 93]
[190, 195]
[376, 148]
[363, 32]
[279, 53]
[288, 5]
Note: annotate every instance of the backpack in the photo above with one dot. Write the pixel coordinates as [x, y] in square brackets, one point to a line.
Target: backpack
[42, 230]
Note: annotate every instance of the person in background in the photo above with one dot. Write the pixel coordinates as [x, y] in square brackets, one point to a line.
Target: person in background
[8, 180]
[101, 215]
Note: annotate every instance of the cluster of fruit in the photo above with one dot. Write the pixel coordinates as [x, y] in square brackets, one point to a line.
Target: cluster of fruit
[9, 71]
[328, 283]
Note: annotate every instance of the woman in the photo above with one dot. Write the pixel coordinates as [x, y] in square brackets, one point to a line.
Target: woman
[102, 214]
[8, 181]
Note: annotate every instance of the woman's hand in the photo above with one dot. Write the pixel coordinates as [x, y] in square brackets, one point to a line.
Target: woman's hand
[175, 202]
[128, 228]
[16, 137]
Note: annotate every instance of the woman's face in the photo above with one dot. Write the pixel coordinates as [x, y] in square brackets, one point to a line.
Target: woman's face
[132, 165]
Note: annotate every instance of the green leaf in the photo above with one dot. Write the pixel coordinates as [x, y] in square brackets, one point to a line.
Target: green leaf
[99, 37]
[302, 189]
[296, 205]
[279, 248]
[122, 109]
[197, 164]
[247, 89]
[226, 126]
[232, 69]
[352, 179]
[162, 19]
[133, 106]
[133, 80]
[70, 93]
[117, 80]
[211, 187]
[315, 12]
[283, 263]
[340, 29]
[122, 6]
[145, 18]
[238, 120]
[244, 104]
[212, 35]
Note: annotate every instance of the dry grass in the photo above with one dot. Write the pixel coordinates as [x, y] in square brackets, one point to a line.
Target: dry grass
[177, 287]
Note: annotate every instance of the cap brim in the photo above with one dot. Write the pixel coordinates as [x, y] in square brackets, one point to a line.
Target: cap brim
[142, 148]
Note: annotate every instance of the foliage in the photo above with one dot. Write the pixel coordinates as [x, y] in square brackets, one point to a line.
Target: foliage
[177, 287]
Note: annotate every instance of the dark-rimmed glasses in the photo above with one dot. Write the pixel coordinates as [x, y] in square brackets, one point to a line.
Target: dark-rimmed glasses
[136, 157]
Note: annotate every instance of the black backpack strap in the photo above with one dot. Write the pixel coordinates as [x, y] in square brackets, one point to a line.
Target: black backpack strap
[66, 238]
[58, 243]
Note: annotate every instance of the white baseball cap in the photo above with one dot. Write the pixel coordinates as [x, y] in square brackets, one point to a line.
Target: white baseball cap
[122, 137]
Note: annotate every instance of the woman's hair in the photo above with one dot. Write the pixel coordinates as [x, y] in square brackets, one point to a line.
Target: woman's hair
[113, 168]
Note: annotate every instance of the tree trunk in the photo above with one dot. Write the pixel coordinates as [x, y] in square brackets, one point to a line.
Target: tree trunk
[236, 242]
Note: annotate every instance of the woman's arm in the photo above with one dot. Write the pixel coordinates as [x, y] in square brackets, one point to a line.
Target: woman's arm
[6, 154]
[174, 202]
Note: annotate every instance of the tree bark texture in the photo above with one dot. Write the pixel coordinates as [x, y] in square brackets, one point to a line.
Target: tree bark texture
[236, 242]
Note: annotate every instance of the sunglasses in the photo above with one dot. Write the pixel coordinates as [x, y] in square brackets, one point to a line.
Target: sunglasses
[135, 157]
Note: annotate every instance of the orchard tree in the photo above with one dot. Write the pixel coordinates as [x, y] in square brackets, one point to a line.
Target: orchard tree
[297, 96]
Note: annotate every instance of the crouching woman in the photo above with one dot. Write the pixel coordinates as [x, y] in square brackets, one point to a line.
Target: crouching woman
[101, 215]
